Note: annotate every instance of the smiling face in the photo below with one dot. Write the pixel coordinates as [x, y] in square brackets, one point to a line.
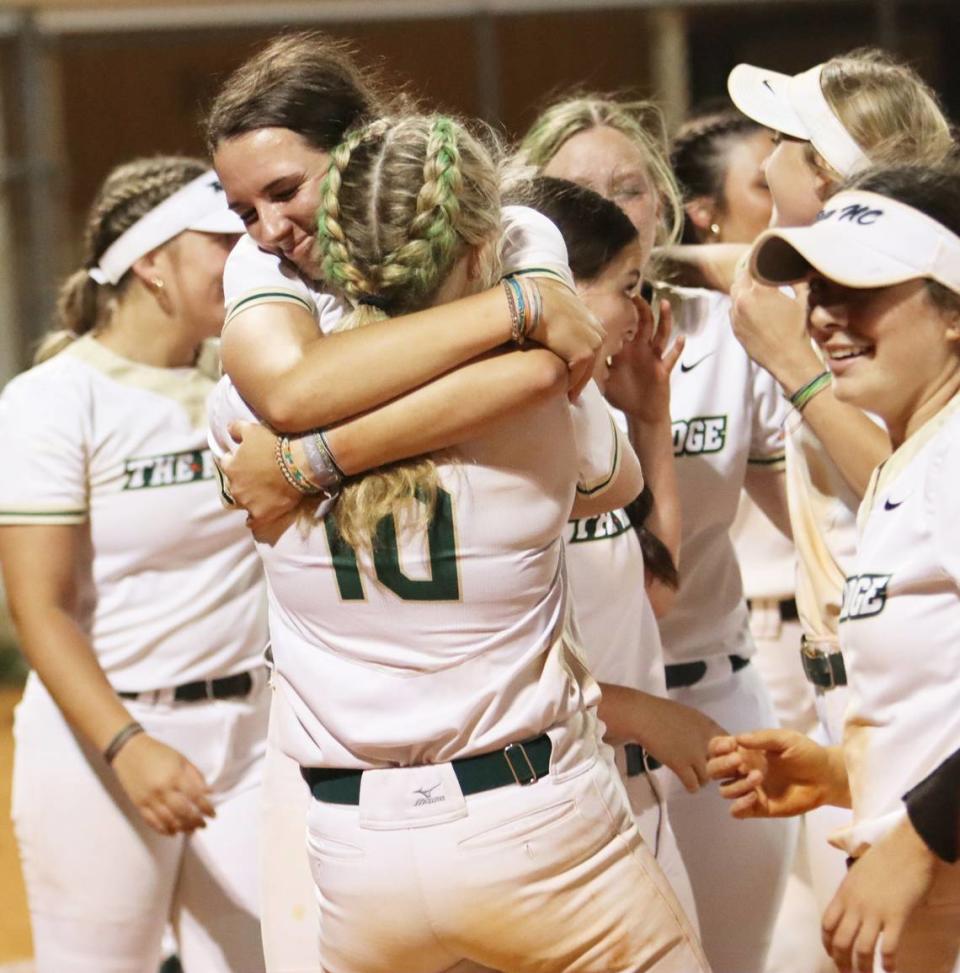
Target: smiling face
[613, 297]
[608, 162]
[891, 350]
[272, 178]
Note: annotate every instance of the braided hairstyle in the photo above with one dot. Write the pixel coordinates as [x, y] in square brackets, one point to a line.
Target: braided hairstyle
[403, 200]
[699, 156]
[128, 193]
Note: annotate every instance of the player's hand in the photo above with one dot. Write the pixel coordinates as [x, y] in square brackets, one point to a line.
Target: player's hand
[256, 482]
[570, 331]
[772, 327]
[638, 379]
[168, 791]
[776, 773]
[876, 898]
[680, 740]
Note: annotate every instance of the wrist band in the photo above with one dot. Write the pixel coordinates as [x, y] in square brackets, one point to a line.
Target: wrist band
[324, 471]
[291, 472]
[525, 303]
[805, 393]
[120, 738]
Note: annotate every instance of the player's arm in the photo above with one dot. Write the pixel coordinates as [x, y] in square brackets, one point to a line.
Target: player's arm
[711, 265]
[869, 908]
[639, 385]
[610, 475]
[675, 734]
[453, 409]
[41, 564]
[294, 379]
[772, 327]
[768, 490]
[777, 773]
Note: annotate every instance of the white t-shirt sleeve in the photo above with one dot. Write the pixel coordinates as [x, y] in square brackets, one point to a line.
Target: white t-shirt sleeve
[252, 276]
[532, 244]
[599, 441]
[44, 442]
[769, 416]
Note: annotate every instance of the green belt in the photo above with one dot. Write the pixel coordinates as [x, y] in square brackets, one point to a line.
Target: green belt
[517, 763]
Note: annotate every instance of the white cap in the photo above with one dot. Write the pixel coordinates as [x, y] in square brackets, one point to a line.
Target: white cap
[861, 240]
[796, 106]
[199, 205]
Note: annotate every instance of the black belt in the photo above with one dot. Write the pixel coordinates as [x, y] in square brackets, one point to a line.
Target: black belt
[824, 669]
[788, 609]
[639, 760]
[690, 673]
[226, 687]
[517, 763]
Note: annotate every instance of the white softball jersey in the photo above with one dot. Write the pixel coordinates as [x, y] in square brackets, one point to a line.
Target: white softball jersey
[727, 413]
[900, 628]
[174, 591]
[615, 621]
[446, 642]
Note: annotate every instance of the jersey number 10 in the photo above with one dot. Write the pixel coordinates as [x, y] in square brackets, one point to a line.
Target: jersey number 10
[443, 583]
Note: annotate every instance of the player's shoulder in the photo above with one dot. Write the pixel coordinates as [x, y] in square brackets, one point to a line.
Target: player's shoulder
[64, 375]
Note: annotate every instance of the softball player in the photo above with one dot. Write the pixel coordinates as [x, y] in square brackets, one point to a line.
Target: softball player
[884, 306]
[614, 614]
[484, 689]
[726, 416]
[139, 603]
[271, 128]
[839, 117]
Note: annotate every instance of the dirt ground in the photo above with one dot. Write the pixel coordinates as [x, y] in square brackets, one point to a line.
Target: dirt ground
[14, 925]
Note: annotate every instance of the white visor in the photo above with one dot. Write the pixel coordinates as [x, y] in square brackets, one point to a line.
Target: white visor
[796, 106]
[860, 240]
[200, 205]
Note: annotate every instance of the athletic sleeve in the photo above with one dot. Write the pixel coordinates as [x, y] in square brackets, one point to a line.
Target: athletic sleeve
[769, 417]
[599, 442]
[933, 807]
[44, 436]
[532, 244]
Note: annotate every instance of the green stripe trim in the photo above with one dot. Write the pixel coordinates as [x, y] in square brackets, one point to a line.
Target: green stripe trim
[267, 296]
[43, 513]
[767, 460]
[526, 271]
[589, 492]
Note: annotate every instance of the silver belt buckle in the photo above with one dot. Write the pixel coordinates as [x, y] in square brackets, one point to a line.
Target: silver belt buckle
[507, 750]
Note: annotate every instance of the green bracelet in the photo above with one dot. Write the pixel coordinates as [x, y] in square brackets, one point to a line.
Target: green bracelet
[805, 393]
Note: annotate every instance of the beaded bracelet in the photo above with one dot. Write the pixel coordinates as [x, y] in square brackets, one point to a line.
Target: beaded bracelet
[805, 393]
[526, 307]
[325, 473]
[291, 472]
[120, 738]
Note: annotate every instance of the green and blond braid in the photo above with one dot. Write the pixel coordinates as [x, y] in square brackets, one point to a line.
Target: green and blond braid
[403, 200]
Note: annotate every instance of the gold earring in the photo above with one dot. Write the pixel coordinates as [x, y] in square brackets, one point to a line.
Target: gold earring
[715, 229]
[157, 284]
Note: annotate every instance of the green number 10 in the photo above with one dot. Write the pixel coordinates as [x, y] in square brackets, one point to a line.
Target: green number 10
[443, 583]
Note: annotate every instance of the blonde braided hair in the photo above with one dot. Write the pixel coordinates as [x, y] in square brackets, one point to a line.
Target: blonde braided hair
[128, 193]
[401, 203]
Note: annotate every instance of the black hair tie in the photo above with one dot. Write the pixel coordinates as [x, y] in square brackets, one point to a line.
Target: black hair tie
[373, 300]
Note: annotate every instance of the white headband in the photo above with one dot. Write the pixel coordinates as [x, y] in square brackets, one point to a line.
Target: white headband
[861, 240]
[796, 106]
[199, 205]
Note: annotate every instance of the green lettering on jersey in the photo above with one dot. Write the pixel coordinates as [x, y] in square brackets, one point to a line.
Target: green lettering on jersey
[703, 434]
[444, 581]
